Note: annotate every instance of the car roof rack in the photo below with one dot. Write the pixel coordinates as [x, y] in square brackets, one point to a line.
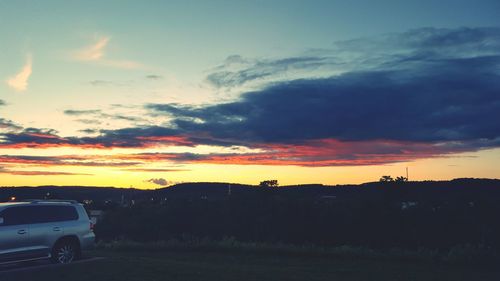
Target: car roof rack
[35, 201]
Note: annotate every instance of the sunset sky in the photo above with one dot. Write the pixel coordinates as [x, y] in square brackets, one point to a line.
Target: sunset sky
[152, 93]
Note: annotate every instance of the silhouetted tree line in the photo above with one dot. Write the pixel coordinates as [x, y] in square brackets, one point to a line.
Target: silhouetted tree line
[436, 215]
[391, 179]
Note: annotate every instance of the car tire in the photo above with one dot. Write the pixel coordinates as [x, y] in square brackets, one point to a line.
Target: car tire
[64, 252]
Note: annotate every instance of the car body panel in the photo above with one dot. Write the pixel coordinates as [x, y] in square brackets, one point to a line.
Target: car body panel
[14, 241]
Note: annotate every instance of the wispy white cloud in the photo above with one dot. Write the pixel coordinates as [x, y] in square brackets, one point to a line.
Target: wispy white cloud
[19, 82]
[93, 52]
[96, 53]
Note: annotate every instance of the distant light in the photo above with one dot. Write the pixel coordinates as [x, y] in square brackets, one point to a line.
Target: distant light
[13, 198]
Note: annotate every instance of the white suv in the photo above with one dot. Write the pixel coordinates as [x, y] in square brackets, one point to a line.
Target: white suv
[44, 229]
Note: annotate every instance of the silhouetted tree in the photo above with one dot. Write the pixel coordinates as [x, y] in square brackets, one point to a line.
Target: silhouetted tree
[269, 183]
[401, 179]
[386, 179]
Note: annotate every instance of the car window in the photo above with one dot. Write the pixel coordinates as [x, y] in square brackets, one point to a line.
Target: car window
[54, 213]
[15, 216]
[38, 214]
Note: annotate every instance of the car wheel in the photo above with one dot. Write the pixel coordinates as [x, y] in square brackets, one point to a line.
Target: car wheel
[64, 252]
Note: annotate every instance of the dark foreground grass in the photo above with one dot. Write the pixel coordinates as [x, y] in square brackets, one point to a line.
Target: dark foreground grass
[198, 266]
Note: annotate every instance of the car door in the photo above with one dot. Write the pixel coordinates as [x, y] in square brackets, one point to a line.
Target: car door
[47, 228]
[14, 234]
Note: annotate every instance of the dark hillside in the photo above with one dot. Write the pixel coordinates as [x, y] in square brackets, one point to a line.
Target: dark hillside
[427, 214]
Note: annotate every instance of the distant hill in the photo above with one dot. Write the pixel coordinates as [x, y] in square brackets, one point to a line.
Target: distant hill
[458, 189]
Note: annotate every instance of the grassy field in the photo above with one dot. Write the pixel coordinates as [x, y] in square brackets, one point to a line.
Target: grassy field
[198, 266]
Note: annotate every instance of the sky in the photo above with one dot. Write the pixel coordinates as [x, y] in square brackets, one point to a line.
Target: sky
[152, 93]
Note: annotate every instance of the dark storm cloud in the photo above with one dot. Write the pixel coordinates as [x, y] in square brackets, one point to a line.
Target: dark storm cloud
[442, 39]
[146, 170]
[38, 173]
[154, 77]
[435, 85]
[419, 94]
[98, 113]
[263, 69]
[72, 112]
[129, 137]
[122, 117]
[101, 83]
[125, 138]
[89, 131]
[386, 51]
[65, 160]
[443, 100]
[158, 181]
[31, 137]
[89, 121]
[317, 153]
[8, 125]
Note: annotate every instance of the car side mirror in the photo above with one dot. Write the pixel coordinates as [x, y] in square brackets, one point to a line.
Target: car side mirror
[1, 221]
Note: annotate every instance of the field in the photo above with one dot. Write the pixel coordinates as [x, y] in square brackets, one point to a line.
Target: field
[205, 266]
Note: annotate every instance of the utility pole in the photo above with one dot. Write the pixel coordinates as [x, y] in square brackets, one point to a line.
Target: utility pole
[407, 179]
